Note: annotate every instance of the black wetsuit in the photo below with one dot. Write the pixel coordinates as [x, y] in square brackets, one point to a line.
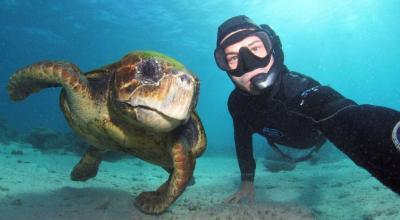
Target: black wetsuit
[302, 113]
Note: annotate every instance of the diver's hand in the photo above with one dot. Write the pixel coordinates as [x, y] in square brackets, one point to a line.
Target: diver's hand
[246, 191]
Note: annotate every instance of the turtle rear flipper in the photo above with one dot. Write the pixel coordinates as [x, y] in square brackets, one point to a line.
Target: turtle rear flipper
[88, 165]
[36, 77]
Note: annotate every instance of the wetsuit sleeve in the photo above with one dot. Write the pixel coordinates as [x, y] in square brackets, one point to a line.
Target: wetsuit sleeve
[243, 139]
[244, 150]
[363, 132]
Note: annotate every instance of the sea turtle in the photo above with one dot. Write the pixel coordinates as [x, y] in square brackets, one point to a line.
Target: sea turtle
[142, 105]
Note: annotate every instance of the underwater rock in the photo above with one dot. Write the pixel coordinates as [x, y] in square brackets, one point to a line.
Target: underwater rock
[16, 202]
[17, 152]
[74, 144]
[45, 139]
[7, 133]
[77, 145]
[49, 141]
[257, 211]
[4, 189]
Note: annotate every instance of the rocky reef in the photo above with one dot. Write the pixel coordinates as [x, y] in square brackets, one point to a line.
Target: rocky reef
[7, 133]
[48, 140]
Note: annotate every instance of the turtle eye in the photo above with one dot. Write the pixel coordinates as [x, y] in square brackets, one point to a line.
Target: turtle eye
[124, 90]
[129, 89]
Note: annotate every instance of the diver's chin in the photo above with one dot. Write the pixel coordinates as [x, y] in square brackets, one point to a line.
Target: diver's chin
[254, 91]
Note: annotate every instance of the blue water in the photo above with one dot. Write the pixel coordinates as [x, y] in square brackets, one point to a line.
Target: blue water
[352, 46]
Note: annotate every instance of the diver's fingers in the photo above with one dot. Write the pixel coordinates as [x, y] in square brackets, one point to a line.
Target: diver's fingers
[230, 198]
[236, 199]
[252, 198]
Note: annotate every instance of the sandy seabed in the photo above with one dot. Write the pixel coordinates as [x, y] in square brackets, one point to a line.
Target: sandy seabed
[36, 186]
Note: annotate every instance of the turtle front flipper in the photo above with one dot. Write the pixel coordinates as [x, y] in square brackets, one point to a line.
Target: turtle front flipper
[42, 75]
[88, 165]
[158, 201]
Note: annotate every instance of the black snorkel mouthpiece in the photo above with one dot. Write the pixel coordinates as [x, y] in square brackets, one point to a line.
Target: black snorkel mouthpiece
[260, 82]
[264, 82]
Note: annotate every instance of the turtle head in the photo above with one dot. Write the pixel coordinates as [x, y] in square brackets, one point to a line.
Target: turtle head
[154, 91]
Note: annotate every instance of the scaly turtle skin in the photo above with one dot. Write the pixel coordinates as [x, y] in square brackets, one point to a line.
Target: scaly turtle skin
[142, 105]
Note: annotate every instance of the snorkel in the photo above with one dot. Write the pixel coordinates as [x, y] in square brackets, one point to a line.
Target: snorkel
[271, 79]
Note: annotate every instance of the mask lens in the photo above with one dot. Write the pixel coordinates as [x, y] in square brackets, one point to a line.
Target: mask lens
[219, 55]
[259, 48]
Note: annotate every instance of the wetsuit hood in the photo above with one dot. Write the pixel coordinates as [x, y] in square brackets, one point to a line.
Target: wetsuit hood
[243, 26]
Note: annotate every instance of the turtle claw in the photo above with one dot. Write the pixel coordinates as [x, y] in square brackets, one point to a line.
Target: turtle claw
[150, 202]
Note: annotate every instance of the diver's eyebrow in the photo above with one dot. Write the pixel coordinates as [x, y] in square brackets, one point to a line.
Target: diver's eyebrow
[231, 53]
[253, 42]
[248, 45]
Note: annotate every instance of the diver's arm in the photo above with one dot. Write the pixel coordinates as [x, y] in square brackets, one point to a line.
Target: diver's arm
[242, 135]
[362, 132]
[244, 151]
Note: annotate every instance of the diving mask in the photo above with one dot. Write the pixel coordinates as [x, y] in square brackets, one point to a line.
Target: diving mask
[248, 60]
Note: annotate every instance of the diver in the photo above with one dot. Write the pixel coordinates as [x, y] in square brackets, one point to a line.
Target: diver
[294, 110]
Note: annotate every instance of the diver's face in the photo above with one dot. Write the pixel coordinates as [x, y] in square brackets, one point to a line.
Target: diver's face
[256, 46]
